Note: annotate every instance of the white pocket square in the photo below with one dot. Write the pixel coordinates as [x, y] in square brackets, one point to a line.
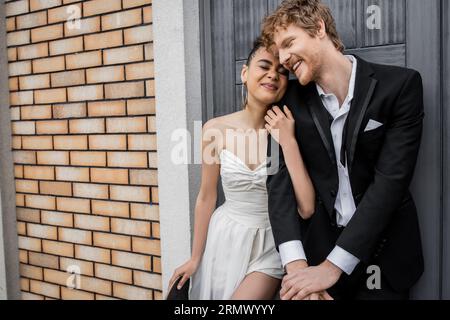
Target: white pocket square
[372, 125]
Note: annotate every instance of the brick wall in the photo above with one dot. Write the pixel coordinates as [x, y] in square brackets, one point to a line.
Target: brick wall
[84, 144]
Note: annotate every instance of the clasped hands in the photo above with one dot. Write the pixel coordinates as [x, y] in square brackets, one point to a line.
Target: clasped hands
[309, 283]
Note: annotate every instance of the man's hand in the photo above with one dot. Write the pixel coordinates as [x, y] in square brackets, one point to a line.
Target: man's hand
[301, 265]
[296, 266]
[303, 283]
[317, 296]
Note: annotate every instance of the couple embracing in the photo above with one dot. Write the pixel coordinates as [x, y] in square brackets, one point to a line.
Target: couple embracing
[348, 134]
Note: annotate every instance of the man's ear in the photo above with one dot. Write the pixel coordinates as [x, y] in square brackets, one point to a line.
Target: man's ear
[244, 74]
[322, 31]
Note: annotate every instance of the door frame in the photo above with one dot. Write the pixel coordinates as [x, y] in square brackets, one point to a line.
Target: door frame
[445, 18]
[423, 53]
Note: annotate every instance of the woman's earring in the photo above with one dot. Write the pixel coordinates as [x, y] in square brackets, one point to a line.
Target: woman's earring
[244, 95]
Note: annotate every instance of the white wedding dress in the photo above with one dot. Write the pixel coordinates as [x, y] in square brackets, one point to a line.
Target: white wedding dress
[240, 239]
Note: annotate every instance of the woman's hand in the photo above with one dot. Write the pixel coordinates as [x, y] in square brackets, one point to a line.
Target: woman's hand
[281, 125]
[185, 271]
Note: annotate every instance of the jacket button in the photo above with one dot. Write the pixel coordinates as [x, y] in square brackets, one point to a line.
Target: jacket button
[333, 193]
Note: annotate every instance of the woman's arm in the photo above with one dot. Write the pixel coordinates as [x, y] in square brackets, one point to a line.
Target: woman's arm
[204, 207]
[282, 128]
[205, 204]
[303, 187]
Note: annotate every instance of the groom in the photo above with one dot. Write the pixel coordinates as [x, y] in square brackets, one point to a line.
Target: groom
[358, 126]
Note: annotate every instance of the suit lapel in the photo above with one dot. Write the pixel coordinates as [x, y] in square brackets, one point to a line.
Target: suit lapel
[321, 120]
[364, 89]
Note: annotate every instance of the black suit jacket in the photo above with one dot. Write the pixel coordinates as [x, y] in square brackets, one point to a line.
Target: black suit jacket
[384, 229]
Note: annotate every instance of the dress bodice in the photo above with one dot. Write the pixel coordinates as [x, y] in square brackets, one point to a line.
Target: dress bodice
[245, 189]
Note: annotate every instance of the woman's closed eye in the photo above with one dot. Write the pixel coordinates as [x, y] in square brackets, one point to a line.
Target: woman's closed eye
[283, 71]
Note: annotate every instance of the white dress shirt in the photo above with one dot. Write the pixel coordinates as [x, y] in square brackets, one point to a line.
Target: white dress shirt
[345, 204]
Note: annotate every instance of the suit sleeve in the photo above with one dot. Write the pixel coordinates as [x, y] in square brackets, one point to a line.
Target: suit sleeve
[393, 173]
[283, 213]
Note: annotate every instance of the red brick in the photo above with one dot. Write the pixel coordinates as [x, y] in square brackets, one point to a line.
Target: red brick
[55, 188]
[112, 241]
[28, 215]
[131, 260]
[55, 218]
[32, 20]
[89, 222]
[53, 157]
[103, 40]
[116, 274]
[100, 6]
[131, 292]
[75, 236]
[70, 142]
[84, 60]
[72, 174]
[130, 227]
[107, 142]
[92, 254]
[73, 205]
[44, 288]
[106, 108]
[93, 159]
[122, 19]
[73, 110]
[144, 211]
[40, 202]
[110, 208]
[32, 244]
[127, 159]
[58, 248]
[41, 231]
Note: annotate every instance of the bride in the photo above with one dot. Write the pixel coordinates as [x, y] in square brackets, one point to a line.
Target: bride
[234, 254]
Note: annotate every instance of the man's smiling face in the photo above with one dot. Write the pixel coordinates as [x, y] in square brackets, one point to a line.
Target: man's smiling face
[299, 52]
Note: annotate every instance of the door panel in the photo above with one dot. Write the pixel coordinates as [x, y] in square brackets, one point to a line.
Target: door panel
[446, 151]
[392, 55]
[345, 14]
[248, 15]
[222, 56]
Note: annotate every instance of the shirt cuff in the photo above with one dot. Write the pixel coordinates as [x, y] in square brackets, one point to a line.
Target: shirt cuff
[291, 251]
[343, 260]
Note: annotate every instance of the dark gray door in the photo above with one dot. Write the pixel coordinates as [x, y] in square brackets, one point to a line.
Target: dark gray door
[408, 33]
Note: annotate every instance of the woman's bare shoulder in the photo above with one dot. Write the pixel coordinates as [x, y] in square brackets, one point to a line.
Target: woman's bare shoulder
[222, 123]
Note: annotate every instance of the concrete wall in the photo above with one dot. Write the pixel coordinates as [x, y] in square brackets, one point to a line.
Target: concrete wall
[178, 104]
